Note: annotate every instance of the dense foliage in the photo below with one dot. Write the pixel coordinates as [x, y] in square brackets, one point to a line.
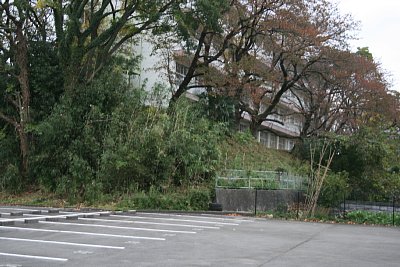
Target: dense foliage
[72, 124]
[370, 217]
[105, 138]
[363, 166]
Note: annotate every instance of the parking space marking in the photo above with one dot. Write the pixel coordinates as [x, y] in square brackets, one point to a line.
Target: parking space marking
[207, 216]
[120, 227]
[60, 243]
[4, 208]
[32, 257]
[41, 217]
[35, 215]
[81, 233]
[173, 219]
[230, 218]
[151, 223]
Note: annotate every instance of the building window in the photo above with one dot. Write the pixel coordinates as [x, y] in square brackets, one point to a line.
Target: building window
[264, 138]
[272, 141]
[290, 144]
[181, 72]
[282, 142]
[181, 69]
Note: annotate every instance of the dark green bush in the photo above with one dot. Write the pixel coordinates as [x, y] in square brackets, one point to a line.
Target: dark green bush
[368, 217]
[190, 199]
[334, 190]
[10, 180]
[147, 147]
[69, 142]
[198, 199]
[364, 156]
[104, 138]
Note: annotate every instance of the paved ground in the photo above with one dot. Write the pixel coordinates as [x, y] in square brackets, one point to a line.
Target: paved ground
[43, 237]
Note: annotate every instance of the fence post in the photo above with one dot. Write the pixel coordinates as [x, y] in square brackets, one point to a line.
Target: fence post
[344, 206]
[298, 204]
[393, 210]
[255, 202]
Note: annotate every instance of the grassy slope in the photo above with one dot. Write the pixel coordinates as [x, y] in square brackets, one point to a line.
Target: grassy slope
[243, 152]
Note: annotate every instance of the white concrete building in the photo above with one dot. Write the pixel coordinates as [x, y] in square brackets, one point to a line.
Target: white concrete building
[275, 135]
[160, 69]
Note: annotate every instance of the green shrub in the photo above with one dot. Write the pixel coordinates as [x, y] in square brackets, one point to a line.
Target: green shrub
[191, 199]
[368, 217]
[148, 147]
[10, 180]
[69, 141]
[198, 199]
[243, 138]
[334, 190]
[366, 156]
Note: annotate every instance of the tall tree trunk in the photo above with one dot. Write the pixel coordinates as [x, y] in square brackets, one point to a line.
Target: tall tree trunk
[254, 127]
[23, 99]
[24, 150]
[20, 100]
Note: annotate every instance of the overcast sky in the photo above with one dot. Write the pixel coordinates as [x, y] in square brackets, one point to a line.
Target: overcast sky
[380, 27]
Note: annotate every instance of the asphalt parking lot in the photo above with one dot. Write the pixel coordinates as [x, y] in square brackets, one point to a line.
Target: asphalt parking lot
[51, 237]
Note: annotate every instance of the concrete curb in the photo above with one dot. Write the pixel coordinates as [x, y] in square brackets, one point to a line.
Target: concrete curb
[7, 223]
[194, 212]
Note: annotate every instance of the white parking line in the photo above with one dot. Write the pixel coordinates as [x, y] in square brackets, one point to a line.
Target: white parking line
[4, 208]
[80, 233]
[152, 223]
[173, 219]
[32, 257]
[60, 243]
[34, 215]
[41, 217]
[120, 227]
[206, 216]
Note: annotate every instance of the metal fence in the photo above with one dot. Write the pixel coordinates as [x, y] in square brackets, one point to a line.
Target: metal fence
[231, 178]
[351, 205]
[388, 209]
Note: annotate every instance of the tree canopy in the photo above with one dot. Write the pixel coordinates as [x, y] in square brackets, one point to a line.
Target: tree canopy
[69, 119]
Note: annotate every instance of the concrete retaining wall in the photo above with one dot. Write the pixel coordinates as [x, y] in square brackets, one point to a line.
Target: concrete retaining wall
[267, 200]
